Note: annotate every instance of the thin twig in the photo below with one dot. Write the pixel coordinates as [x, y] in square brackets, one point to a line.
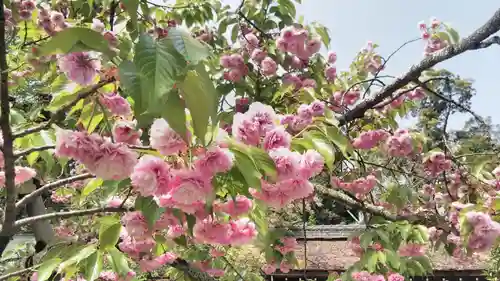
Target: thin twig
[68, 214]
[59, 114]
[19, 272]
[33, 149]
[30, 197]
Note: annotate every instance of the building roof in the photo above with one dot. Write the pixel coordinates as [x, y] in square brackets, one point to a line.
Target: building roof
[328, 249]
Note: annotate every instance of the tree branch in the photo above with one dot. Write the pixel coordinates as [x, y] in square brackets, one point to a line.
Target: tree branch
[488, 42]
[17, 273]
[469, 43]
[193, 273]
[429, 219]
[59, 114]
[8, 152]
[30, 197]
[68, 214]
[33, 149]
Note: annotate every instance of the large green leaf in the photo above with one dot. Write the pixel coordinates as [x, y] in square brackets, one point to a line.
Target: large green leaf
[149, 208]
[201, 99]
[131, 7]
[192, 49]
[130, 79]
[159, 65]
[247, 167]
[118, 262]
[93, 266]
[77, 258]
[264, 162]
[323, 145]
[109, 232]
[175, 114]
[75, 39]
[339, 139]
[92, 185]
[47, 268]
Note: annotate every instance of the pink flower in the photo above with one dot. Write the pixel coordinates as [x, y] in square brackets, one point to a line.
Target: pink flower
[97, 25]
[212, 232]
[148, 265]
[116, 104]
[311, 164]
[165, 139]
[78, 145]
[215, 160]
[151, 176]
[313, 46]
[57, 18]
[116, 161]
[331, 73]
[225, 61]
[284, 267]
[236, 207]
[23, 174]
[268, 268]
[216, 253]
[287, 162]
[215, 272]
[79, 67]
[317, 107]
[114, 202]
[135, 224]
[189, 186]
[268, 66]
[332, 57]
[395, 277]
[289, 245]
[308, 83]
[243, 231]
[276, 138]
[258, 55]
[305, 111]
[124, 131]
[412, 250]
[251, 41]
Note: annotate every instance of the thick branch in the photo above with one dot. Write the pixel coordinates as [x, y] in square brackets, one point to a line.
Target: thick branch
[488, 42]
[30, 197]
[59, 114]
[8, 153]
[68, 214]
[421, 218]
[469, 43]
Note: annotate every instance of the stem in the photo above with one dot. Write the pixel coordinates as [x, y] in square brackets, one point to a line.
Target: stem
[10, 206]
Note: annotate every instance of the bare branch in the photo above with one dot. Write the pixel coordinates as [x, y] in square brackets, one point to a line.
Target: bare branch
[68, 214]
[59, 114]
[469, 43]
[33, 149]
[488, 42]
[420, 218]
[17, 273]
[30, 197]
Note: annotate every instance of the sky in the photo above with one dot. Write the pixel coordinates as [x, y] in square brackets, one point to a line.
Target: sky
[390, 23]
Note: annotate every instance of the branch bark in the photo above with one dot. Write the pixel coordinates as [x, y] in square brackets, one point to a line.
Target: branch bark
[471, 42]
[68, 214]
[32, 196]
[8, 153]
[59, 114]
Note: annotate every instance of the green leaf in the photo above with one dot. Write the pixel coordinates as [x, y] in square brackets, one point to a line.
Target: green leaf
[175, 114]
[60, 99]
[247, 166]
[93, 266]
[77, 258]
[234, 33]
[118, 261]
[159, 65]
[109, 232]
[339, 139]
[372, 261]
[264, 162]
[323, 146]
[201, 99]
[131, 81]
[75, 39]
[149, 208]
[366, 239]
[131, 7]
[455, 37]
[323, 34]
[47, 268]
[92, 185]
[392, 259]
[193, 50]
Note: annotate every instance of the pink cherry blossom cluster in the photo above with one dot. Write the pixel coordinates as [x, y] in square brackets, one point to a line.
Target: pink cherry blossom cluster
[430, 34]
[270, 268]
[216, 232]
[294, 172]
[113, 276]
[60, 198]
[24, 8]
[80, 67]
[236, 66]
[370, 139]
[304, 116]
[23, 174]
[366, 276]
[116, 104]
[286, 245]
[360, 187]
[109, 36]
[295, 40]
[236, 207]
[164, 139]
[341, 100]
[103, 158]
[372, 61]
[298, 82]
[411, 250]
[436, 164]
[51, 21]
[331, 70]
[268, 66]
[125, 131]
[400, 144]
[484, 232]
